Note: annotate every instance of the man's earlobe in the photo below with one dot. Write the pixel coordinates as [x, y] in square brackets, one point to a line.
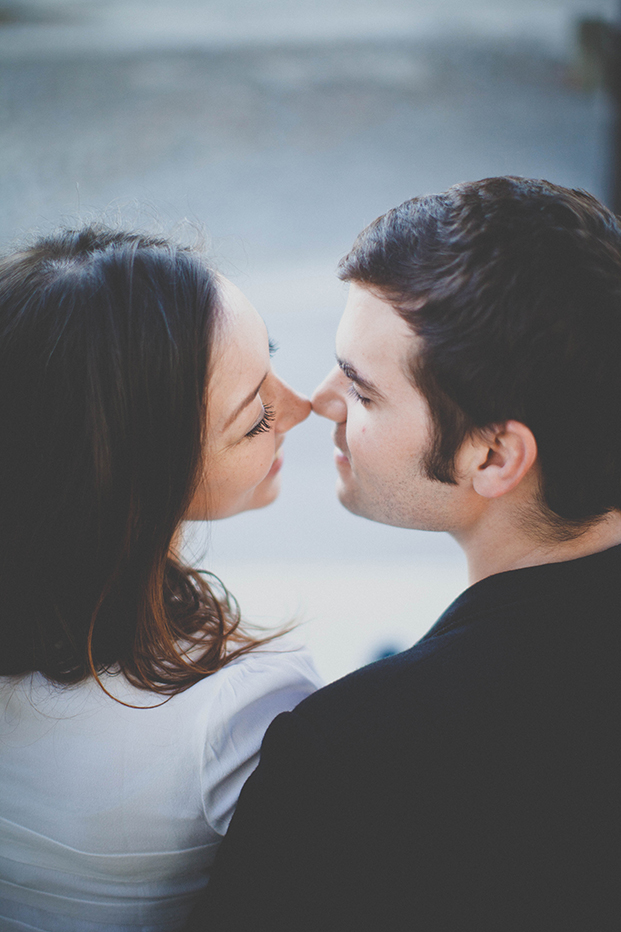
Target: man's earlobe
[511, 452]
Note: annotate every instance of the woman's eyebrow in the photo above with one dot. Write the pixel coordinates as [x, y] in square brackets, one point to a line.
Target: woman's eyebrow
[353, 375]
[245, 403]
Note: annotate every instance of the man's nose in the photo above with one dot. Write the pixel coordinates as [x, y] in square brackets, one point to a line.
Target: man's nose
[328, 400]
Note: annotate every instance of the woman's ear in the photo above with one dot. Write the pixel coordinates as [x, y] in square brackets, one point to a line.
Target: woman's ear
[507, 452]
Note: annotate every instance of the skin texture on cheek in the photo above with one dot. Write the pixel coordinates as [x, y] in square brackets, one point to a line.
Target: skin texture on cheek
[386, 432]
[235, 464]
[249, 410]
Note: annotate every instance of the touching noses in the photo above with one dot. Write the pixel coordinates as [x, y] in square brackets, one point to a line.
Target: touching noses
[291, 408]
[328, 400]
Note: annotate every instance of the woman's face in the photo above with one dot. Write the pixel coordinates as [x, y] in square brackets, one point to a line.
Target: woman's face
[249, 411]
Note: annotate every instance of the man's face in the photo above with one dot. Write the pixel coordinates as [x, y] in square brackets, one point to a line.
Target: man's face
[383, 426]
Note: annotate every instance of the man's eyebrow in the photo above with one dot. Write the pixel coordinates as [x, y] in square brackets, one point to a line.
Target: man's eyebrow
[245, 403]
[353, 375]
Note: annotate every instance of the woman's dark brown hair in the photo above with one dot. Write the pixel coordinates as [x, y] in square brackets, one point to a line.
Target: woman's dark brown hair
[105, 341]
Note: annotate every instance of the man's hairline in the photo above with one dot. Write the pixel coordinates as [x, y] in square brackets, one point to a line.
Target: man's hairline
[391, 297]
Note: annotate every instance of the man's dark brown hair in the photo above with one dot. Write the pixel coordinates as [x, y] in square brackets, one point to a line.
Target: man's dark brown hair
[514, 287]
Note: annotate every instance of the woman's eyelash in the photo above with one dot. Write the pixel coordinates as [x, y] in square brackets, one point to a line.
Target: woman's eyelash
[265, 422]
[353, 391]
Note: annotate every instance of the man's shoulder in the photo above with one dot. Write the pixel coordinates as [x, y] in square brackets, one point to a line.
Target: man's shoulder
[538, 626]
[472, 616]
[410, 687]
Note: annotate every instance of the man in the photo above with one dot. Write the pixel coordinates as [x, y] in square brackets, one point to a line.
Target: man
[472, 782]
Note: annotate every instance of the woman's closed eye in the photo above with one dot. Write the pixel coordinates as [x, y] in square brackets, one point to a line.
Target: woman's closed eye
[265, 423]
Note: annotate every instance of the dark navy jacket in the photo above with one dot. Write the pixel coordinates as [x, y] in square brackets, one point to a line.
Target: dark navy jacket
[470, 784]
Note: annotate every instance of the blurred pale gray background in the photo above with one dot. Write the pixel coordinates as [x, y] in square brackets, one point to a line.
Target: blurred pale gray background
[282, 128]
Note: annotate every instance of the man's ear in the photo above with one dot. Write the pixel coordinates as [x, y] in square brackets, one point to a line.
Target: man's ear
[506, 454]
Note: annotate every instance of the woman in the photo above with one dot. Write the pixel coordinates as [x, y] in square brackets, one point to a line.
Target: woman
[135, 392]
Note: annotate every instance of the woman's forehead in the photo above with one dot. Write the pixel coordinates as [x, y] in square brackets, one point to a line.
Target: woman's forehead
[240, 357]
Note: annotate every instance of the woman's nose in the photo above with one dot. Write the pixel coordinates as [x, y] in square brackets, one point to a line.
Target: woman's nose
[291, 407]
[328, 400]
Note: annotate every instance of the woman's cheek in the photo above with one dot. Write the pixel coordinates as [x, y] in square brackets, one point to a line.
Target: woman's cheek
[263, 458]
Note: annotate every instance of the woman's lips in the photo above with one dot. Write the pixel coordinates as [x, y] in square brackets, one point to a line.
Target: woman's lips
[276, 465]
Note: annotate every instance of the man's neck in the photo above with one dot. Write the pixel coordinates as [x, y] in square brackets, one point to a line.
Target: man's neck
[502, 547]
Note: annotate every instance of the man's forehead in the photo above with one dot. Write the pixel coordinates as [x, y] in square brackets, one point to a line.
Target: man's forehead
[373, 335]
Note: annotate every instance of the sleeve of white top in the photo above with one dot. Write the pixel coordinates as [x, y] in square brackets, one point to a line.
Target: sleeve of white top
[255, 689]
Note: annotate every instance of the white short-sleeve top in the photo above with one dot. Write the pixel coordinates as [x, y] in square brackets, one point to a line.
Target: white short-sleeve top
[110, 816]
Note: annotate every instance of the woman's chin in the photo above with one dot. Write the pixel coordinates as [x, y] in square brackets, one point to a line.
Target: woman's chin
[266, 492]
[263, 494]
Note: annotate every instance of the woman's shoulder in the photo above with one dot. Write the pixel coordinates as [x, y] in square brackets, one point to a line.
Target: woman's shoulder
[255, 686]
[245, 696]
[276, 667]
[281, 668]
[283, 658]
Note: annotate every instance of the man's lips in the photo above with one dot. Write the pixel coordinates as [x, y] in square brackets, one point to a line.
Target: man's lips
[338, 439]
[340, 447]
